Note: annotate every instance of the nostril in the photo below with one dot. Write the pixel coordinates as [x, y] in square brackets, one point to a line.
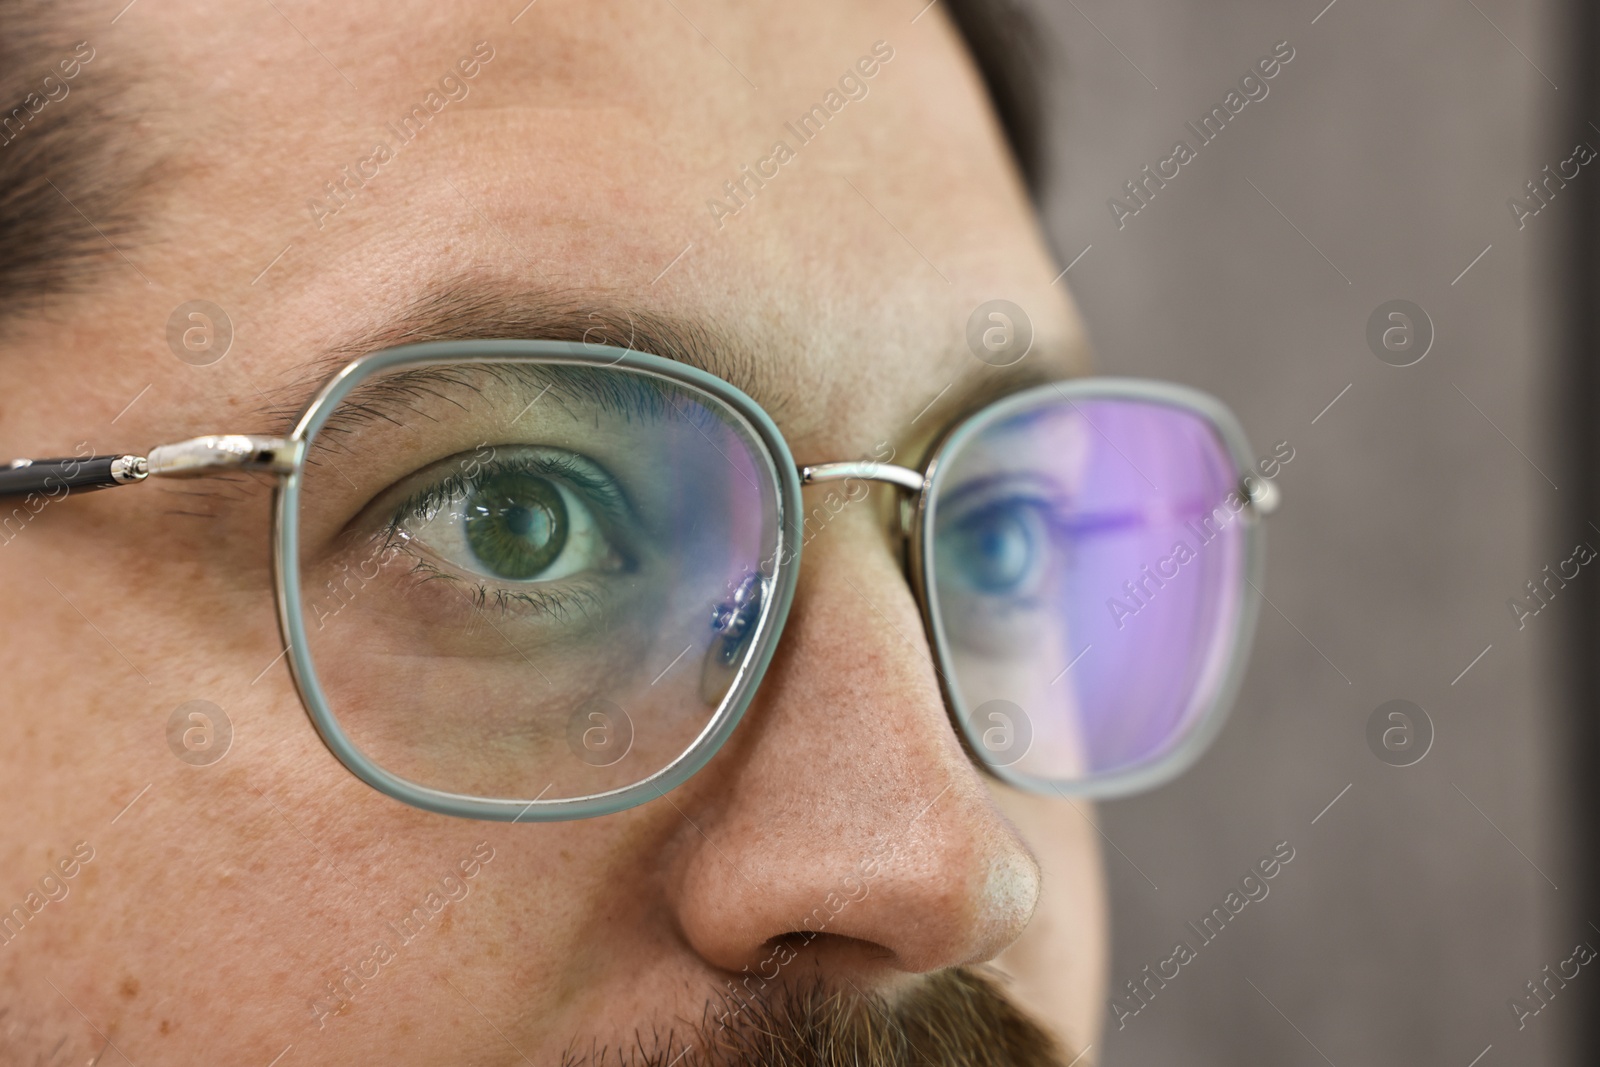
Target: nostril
[795, 957]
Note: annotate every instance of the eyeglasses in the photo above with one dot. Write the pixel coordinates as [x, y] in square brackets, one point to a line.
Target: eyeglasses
[536, 580]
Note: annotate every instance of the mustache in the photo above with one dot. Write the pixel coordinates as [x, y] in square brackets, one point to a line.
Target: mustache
[954, 1018]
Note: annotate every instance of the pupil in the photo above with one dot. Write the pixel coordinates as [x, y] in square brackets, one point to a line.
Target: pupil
[519, 521]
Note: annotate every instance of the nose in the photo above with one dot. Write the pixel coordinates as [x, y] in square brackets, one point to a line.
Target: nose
[844, 821]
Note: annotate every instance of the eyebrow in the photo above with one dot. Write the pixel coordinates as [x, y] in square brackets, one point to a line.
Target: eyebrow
[470, 309]
[398, 396]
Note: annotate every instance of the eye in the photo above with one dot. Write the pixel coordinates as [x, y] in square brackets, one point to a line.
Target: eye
[525, 515]
[1000, 549]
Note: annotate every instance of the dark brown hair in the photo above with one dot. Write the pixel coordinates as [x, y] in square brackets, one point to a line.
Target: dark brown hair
[951, 1018]
[1013, 55]
[70, 179]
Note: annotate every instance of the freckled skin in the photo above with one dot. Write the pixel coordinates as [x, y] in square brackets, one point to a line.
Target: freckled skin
[221, 903]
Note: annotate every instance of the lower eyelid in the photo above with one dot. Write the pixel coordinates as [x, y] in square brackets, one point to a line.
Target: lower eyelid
[477, 594]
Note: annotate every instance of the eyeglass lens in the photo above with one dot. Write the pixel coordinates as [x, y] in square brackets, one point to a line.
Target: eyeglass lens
[1087, 562]
[532, 580]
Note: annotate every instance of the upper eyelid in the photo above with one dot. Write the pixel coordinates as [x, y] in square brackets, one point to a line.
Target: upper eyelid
[981, 486]
[391, 398]
[1080, 522]
[456, 485]
[1059, 512]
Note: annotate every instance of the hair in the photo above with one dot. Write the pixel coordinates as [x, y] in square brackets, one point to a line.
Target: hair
[71, 185]
[75, 177]
[1014, 58]
[951, 1018]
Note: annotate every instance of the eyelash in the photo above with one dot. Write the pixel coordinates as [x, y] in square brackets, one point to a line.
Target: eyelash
[1054, 513]
[548, 604]
[426, 503]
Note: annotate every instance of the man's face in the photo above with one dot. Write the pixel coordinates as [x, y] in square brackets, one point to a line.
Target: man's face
[270, 904]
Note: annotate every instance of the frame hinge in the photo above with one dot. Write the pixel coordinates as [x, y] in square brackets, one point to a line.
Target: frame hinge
[204, 455]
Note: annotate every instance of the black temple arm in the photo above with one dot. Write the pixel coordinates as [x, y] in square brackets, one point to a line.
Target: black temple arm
[50, 476]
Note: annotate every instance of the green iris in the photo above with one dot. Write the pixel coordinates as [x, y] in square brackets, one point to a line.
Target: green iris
[516, 525]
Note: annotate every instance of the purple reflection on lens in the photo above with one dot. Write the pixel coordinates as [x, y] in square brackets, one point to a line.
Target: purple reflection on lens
[1087, 566]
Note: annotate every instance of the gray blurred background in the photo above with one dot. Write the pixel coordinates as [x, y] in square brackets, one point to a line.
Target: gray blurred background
[1377, 168]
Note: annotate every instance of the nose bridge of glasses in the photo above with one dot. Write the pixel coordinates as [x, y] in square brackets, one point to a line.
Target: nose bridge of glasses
[863, 470]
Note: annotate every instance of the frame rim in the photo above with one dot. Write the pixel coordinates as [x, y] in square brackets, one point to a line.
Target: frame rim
[291, 622]
[1181, 756]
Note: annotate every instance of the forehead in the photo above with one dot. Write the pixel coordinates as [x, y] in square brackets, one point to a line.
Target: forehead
[820, 184]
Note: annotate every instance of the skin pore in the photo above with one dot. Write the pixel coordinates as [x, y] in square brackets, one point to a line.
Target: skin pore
[573, 169]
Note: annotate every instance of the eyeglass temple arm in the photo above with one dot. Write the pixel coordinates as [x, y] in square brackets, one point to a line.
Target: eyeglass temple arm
[193, 458]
